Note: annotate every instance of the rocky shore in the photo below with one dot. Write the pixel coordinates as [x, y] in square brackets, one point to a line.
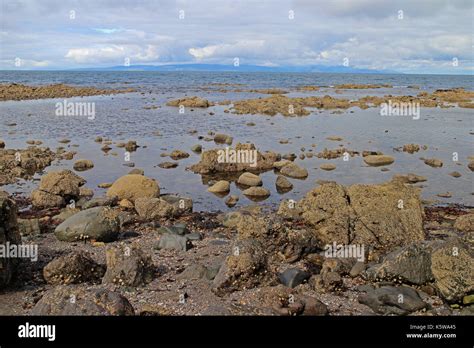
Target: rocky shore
[360, 249]
[15, 91]
[137, 251]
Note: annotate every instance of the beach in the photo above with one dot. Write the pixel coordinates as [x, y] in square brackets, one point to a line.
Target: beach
[224, 191]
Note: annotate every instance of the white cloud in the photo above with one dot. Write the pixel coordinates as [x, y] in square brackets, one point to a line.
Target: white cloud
[113, 54]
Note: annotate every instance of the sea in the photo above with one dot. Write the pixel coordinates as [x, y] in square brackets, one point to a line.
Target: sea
[448, 133]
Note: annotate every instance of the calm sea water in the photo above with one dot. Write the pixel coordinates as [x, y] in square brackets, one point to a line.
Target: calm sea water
[125, 117]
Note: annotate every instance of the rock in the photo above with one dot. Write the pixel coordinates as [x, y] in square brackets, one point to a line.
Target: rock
[327, 166]
[410, 264]
[8, 234]
[41, 199]
[256, 191]
[393, 300]
[85, 192]
[249, 179]
[73, 268]
[65, 214]
[97, 302]
[363, 214]
[242, 269]
[83, 165]
[280, 164]
[332, 281]
[410, 178]
[126, 204]
[133, 186]
[455, 174]
[283, 184]
[411, 148]
[197, 148]
[223, 139]
[99, 223]
[334, 138]
[105, 185]
[471, 166]
[244, 157]
[68, 155]
[197, 271]
[433, 162]
[131, 146]
[314, 307]
[181, 203]
[24, 164]
[232, 200]
[339, 265]
[2, 144]
[128, 266]
[168, 165]
[174, 241]
[136, 171]
[179, 229]
[378, 160]
[357, 269]
[57, 188]
[293, 277]
[28, 227]
[452, 266]
[178, 154]
[465, 223]
[292, 170]
[100, 202]
[194, 102]
[468, 299]
[221, 186]
[153, 208]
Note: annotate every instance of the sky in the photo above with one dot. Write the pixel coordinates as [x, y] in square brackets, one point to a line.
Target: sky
[407, 36]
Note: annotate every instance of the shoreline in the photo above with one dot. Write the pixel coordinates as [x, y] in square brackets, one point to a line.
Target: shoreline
[143, 245]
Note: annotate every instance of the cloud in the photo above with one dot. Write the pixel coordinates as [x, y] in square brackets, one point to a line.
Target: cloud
[114, 53]
[368, 32]
[240, 48]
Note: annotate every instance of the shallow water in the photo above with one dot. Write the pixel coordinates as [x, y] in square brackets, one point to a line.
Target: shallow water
[123, 117]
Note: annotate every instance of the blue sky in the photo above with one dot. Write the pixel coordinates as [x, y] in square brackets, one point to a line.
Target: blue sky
[410, 36]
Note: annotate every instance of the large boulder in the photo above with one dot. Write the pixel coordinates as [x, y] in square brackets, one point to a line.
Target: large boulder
[242, 269]
[452, 266]
[57, 189]
[73, 268]
[133, 186]
[73, 300]
[381, 217]
[8, 234]
[128, 266]
[212, 163]
[393, 300]
[410, 264]
[155, 208]
[99, 223]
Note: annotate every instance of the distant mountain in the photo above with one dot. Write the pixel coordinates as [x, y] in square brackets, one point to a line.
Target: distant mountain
[241, 68]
